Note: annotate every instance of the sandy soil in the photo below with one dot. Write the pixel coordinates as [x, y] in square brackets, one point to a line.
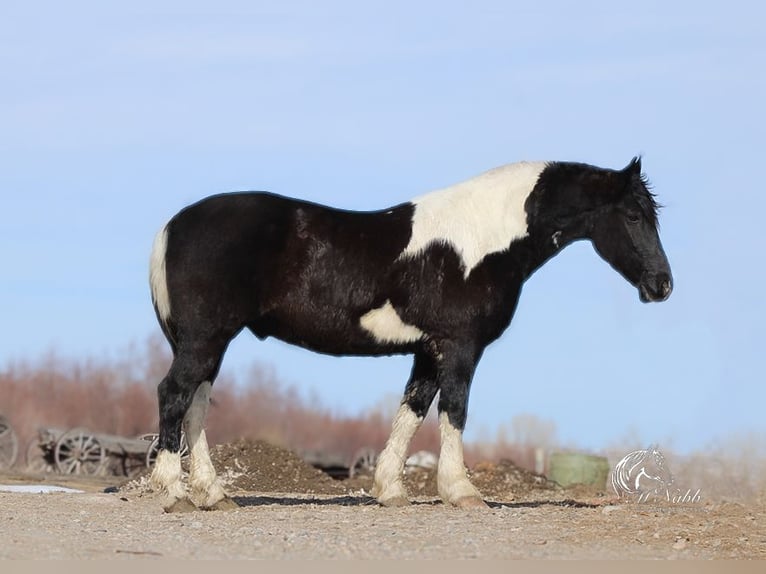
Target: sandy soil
[288, 509]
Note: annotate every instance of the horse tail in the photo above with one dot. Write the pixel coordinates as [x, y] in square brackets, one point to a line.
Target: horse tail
[158, 278]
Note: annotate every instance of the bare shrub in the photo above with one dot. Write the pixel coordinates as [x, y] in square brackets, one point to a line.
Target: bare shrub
[118, 396]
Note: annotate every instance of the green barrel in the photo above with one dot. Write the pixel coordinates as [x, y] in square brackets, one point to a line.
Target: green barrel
[573, 468]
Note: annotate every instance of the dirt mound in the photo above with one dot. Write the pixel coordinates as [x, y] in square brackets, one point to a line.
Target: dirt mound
[504, 481]
[500, 482]
[258, 466]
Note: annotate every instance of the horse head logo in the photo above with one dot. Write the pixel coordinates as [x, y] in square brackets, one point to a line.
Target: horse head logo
[642, 473]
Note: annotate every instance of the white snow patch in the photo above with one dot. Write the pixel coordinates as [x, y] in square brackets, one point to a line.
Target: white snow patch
[36, 488]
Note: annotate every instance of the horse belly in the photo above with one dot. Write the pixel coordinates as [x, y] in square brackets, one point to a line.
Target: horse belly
[336, 333]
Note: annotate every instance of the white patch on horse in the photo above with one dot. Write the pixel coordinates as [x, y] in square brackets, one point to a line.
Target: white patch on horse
[386, 326]
[166, 476]
[477, 217]
[206, 488]
[157, 276]
[451, 478]
[388, 484]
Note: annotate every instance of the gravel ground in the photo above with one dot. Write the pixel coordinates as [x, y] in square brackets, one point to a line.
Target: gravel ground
[97, 525]
[299, 513]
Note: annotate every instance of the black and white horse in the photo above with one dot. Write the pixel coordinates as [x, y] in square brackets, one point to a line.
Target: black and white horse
[438, 277]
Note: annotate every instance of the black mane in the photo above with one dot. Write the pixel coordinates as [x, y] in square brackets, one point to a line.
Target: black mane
[646, 198]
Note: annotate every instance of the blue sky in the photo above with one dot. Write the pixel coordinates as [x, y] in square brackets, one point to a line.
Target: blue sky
[114, 117]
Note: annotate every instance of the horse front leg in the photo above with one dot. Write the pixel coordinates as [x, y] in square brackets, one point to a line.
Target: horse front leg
[455, 375]
[388, 486]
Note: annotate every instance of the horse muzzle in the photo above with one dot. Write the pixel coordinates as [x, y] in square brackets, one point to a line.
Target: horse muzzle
[655, 287]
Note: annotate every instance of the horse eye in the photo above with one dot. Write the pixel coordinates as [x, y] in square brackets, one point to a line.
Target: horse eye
[633, 217]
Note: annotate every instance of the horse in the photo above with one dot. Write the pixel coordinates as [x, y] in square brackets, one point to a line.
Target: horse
[438, 277]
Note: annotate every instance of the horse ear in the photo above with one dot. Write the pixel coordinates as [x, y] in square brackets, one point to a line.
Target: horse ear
[634, 167]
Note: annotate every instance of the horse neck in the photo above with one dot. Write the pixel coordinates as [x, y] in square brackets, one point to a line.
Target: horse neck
[539, 247]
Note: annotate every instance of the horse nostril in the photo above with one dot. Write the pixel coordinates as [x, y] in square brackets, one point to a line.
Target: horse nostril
[665, 288]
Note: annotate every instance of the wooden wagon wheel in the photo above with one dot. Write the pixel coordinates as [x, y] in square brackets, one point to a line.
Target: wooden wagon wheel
[9, 444]
[154, 448]
[79, 452]
[363, 461]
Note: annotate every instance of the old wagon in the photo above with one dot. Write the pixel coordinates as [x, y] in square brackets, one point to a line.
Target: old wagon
[81, 451]
[339, 466]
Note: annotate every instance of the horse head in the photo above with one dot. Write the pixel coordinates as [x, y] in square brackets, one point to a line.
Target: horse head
[625, 233]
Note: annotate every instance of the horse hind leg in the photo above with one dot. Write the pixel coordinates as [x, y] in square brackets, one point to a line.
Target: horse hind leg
[166, 473]
[206, 488]
[176, 395]
[166, 479]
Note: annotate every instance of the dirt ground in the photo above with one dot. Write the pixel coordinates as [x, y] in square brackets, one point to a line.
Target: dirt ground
[289, 509]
